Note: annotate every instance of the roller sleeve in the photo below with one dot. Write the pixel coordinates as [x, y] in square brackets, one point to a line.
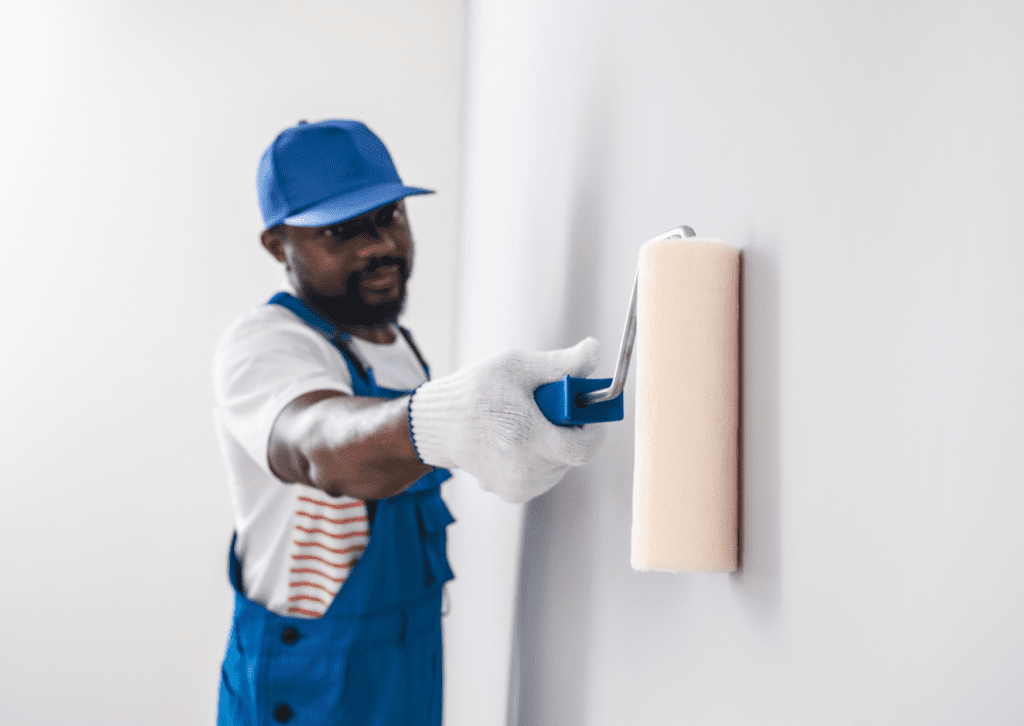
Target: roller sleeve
[687, 417]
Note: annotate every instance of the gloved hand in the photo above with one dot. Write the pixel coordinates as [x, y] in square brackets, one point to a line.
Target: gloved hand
[483, 419]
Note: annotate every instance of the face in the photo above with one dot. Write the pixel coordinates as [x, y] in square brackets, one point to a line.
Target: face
[356, 270]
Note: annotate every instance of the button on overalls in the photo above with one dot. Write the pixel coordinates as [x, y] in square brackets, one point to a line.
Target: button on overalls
[374, 658]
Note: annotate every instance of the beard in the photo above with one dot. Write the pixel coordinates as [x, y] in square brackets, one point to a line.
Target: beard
[350, 308]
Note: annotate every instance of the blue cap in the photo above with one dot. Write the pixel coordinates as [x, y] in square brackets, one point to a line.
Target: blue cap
[324, 173]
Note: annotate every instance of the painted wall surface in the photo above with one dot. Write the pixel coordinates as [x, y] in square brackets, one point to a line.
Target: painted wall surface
[869, 160]
[131, 133]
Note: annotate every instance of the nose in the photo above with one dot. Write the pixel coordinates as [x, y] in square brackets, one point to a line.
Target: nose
[380, 244]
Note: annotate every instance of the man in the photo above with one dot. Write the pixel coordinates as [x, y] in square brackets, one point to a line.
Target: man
[337, 442]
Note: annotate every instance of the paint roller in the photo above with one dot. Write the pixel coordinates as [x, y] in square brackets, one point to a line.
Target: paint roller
[684, 319]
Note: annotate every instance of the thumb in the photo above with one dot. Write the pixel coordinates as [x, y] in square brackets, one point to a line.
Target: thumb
[579, 361]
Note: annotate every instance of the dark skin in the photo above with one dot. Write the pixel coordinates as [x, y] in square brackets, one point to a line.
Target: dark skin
[342, 444]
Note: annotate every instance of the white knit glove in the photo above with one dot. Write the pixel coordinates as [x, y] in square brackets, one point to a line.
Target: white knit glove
[483, 419]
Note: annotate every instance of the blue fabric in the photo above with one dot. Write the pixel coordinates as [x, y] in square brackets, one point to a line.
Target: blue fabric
[374, 658]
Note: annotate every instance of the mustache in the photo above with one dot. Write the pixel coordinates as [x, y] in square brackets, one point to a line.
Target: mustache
[375, 263]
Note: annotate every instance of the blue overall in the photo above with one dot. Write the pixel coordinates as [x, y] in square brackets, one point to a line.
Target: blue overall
[375, 655]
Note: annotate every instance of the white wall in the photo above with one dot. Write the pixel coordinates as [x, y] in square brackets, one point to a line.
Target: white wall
[131, 133]
[869, 160]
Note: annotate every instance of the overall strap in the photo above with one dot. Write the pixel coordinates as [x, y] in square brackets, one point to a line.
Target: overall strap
[354, 363]
[306, 313]
[340, 339]
[235, 567]
[419, 356]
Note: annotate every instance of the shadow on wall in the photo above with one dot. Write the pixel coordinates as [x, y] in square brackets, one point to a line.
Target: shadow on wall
[757, 583]
[555, 602]
[556, 584]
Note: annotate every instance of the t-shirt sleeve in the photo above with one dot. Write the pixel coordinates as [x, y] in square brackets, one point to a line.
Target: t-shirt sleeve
[263, 363]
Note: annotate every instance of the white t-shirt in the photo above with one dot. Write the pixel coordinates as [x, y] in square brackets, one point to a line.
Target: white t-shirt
[296, 543]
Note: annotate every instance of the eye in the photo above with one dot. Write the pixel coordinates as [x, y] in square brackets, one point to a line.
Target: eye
[387, 216]
[343, 231]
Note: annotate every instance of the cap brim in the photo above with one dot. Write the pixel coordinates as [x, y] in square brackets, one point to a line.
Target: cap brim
[352, 204]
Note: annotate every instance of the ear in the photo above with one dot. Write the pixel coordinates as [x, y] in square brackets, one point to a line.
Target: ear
[274, 240]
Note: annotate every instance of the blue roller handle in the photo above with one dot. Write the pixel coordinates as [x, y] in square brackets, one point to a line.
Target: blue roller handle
[557, 401]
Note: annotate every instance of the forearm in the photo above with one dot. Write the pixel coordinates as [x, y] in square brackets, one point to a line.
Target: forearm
[349, 445]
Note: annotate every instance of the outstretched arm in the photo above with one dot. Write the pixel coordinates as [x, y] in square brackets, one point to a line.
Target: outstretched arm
[482, 419]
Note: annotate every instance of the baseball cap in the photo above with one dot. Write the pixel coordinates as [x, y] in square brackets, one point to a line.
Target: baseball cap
[326, 172]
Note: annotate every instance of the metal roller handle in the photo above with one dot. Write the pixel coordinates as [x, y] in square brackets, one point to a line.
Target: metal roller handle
[628, 335]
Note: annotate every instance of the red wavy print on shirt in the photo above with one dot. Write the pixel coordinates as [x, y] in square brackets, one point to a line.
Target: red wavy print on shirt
[343, 535]
[346, 520]
[346, 505]
[320, 572]
[314, 571]
[318, 558]
[295, 598]
[307, 613]
[337, 551]
[307, 583]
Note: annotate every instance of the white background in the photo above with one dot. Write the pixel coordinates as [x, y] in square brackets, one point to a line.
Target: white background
[868, 158]
[131, 133]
